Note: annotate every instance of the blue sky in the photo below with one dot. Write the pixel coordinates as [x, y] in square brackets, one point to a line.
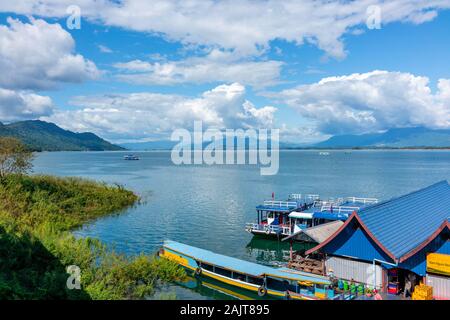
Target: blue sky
[141, 72]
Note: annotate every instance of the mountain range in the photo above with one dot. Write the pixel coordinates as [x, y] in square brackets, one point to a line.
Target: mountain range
[417, 137]
[45, 136]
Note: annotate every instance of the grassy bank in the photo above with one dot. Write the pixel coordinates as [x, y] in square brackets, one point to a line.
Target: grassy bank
[36, 246]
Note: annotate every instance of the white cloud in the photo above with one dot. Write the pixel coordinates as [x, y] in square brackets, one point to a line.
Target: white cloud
[245, 26]
[39, 55]
[22, 105]
[152, 115]
[370, 102]
[217, 66]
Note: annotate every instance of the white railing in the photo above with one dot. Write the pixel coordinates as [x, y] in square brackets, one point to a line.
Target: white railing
[269, 229]
[339, 209]
[330, 202]
[281, 204]
[312, 196]
[363, 200]
[299, 196]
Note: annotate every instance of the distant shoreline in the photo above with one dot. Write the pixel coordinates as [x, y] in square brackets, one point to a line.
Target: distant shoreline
[282, 149]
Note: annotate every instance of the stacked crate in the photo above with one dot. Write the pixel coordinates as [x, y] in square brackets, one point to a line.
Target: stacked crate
[422, 292]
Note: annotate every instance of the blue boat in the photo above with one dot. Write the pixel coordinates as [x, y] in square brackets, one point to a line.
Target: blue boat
[283, 218]
[264, 280]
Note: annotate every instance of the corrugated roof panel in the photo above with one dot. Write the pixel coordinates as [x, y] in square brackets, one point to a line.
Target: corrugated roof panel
[402, 223]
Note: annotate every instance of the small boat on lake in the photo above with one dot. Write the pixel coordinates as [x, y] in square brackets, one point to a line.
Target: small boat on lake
[264, 280]
[130, 157]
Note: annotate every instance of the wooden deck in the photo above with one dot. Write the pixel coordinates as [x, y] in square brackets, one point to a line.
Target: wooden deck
[307, 265]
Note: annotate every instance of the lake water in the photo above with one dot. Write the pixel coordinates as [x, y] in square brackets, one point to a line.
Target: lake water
[208, 206]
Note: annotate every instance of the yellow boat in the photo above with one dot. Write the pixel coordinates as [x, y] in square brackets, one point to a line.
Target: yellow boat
[281, 283]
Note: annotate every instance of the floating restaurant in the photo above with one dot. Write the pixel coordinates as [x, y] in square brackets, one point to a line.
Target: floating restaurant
[396, 244]
[285, 218]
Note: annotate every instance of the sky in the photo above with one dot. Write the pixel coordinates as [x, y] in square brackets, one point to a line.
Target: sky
[134, 70]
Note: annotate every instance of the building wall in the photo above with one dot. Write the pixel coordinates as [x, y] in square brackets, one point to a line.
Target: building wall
[362, 272]
[441, 286]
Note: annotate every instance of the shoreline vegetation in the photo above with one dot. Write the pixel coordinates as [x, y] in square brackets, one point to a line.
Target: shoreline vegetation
[37, 214]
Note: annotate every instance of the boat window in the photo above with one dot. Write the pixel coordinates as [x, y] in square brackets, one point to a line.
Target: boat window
[321, 286]
[278, 285]
[207, 266]
[239, 276]
[306, 289]
[223, 272]
[255, 280]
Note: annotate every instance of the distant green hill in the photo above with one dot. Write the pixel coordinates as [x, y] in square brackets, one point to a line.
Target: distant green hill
[45, 136]
[418, 137]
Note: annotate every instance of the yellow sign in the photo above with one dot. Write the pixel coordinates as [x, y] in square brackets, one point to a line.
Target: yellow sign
[438, 263]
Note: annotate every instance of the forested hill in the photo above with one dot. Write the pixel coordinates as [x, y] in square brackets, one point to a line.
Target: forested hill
[45, 136]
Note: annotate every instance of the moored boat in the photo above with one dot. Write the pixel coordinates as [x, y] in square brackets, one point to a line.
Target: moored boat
[130, 157]
[284, 218]
[264, 280]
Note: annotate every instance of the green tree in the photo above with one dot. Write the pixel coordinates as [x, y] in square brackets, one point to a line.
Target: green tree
[15, 157]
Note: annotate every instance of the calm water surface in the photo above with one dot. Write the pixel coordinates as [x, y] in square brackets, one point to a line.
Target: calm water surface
[208, 206]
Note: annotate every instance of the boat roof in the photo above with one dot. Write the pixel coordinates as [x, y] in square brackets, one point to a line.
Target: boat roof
[301, 215]
[242, 266]
[340, 206]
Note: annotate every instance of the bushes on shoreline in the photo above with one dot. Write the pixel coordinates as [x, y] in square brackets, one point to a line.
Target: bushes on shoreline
[36, 245]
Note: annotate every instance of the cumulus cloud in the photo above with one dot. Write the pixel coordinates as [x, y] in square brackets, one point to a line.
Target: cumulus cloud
[217, 66]
[246, 26]
[153, 115]
[39, 55]
[21, 105]
[370, 102]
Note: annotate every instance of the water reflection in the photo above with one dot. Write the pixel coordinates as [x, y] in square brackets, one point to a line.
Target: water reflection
[272, 252]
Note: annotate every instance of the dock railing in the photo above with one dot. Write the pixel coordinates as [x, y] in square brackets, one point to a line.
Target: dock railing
[270, 229]
[338, 209]
[299, 196]
[362, 200]
[280, 204]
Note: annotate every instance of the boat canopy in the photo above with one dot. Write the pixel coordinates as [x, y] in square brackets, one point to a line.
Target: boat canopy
[301, 215]
[331, 216]
[241, 266]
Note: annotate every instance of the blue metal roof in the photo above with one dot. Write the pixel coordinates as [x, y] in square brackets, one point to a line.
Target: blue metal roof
[402, 223]
[276, 209]
[242, 266]
[330, 215]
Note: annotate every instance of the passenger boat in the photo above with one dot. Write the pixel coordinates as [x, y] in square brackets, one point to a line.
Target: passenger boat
[283, 218]
[131, 157]
[265, 281]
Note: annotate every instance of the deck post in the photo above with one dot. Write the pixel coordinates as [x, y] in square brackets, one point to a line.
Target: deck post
[291, 253]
